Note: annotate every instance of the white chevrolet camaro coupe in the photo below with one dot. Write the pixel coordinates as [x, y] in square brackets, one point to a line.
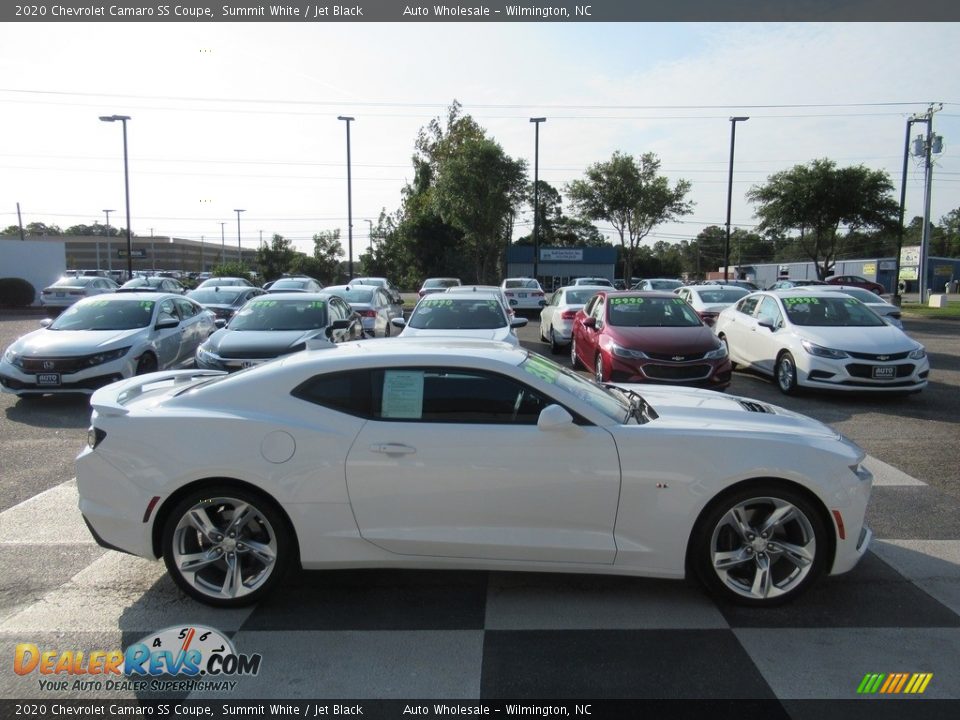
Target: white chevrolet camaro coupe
[451, 453]
[821, 338]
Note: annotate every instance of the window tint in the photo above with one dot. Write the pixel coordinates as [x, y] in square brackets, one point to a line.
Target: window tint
[748, 304]
[447, 395]
[187, 308]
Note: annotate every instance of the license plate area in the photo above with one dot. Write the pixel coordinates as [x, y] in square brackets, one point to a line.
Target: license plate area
[884, 372]
[48, 379]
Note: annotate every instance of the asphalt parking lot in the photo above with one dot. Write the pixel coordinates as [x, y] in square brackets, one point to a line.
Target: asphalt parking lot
[486, 635]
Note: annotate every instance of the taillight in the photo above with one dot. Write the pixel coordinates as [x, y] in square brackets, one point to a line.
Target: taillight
[568, 314]
[367, 313]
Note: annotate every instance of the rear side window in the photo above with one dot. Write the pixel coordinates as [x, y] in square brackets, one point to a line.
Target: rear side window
[748, 305]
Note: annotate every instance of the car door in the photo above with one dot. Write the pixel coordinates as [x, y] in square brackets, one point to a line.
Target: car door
[168, 341]
[194, 327]
[452, 464]
[739, 331]
[765, 343]
[547, 313]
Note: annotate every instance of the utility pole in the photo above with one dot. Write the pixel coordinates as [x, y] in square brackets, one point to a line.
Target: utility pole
[20, 224]
[926, 147]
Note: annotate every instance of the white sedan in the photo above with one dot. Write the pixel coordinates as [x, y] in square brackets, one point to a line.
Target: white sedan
[465, 314]
[820, 338]
[104, 339]
[464, 454]
[69, 289]
[556, 318]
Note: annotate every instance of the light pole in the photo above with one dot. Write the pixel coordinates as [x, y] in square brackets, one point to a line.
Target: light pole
[223, 243]
[348, 120]
[536, 194]
[369, 222]
[109, 251]
[897, 297]
[126, 184]
[726, 242]
[239, 249]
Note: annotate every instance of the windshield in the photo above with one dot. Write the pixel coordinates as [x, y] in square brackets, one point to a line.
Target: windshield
[143, 282]
[597, 396]
[73, 281]
[355, 294]
[292, 284]
[281, 315]
[830, 312]
[223, 296]
[665, 284]
[723, 295]
[110, 314]
[651, 312]
[521, 284]
[864, 296]
[481, 313]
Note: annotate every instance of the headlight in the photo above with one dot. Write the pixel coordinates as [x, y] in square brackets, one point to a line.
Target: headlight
[627, 353]
[13, 358]
[919, 354]
[822, 351]
[718, 354]
[104, 357]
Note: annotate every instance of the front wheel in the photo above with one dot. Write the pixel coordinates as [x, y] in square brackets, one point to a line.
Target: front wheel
[147, 364]
[786, 374]
[760, 546]
[226, 546]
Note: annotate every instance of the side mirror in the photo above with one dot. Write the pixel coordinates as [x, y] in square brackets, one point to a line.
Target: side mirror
[590, 322]
[220, 323]
[554, 417]
[167, 322]
[46, 322]
[768, 325]
[340, 324]
[518, 322]
[398, 322]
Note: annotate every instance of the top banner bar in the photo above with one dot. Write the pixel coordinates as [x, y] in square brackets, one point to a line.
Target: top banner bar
[476, 11]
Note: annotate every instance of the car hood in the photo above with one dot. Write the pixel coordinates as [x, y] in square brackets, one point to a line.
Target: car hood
[665, 340]
[68, 343]
[697, 409]
[884, 339]
[502, 334]
[258, 343]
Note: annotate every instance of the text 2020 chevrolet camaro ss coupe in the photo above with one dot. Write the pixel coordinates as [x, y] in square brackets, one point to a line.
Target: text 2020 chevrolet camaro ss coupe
[447, 453]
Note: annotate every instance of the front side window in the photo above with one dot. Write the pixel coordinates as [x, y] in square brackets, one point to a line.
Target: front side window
[769, 312]
[748, 305]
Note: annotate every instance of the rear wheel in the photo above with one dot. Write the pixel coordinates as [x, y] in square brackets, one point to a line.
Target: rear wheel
[574, 361]
[226, 546]
[760, 546]
[554, 345]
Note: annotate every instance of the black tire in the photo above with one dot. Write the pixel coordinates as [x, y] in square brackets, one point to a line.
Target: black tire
[729, 551]
[785, 374]
[147, 364]
[259, 570]
[574, 361]
[554, 345]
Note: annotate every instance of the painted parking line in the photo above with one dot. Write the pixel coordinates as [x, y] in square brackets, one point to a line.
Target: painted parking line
[888, 476]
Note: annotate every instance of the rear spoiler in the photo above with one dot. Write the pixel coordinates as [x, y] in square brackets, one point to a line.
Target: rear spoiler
[110, 400]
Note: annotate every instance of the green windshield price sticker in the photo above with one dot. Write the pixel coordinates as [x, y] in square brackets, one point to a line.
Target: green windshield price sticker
[801, 301]
[99, 303]
[626, 301]
[539, 367]
[318, 304]
[147, 304]
[679, 301]
[437, 303]
[263, 303]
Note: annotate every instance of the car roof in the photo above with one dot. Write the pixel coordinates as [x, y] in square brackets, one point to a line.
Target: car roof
[423, 349]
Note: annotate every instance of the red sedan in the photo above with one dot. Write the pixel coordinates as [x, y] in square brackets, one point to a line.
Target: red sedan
[857, 281]
[654, 337]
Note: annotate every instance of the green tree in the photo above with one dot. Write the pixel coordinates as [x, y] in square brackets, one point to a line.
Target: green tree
[327, 251]
[477, 189]
[817, 200]
[231, 269]
[630, 195]
[557, 229]
[275, 259]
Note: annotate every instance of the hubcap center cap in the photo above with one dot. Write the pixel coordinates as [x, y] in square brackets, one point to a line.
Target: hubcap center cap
[758, 544]
[228, 544]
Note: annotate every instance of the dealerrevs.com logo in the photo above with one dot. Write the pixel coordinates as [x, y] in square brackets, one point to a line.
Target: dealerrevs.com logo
[198, 657]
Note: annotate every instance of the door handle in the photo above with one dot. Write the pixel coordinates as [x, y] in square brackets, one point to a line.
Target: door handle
[392, 449]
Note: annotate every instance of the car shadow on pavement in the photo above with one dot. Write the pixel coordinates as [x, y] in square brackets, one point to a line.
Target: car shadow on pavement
[55, 411]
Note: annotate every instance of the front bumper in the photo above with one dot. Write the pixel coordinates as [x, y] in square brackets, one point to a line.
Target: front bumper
[710, 374]
[857, 374]
[17, 382]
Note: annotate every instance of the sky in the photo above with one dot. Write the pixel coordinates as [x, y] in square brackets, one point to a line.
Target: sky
[244, 115]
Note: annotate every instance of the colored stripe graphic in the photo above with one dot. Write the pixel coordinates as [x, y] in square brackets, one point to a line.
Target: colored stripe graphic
[894, 683]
